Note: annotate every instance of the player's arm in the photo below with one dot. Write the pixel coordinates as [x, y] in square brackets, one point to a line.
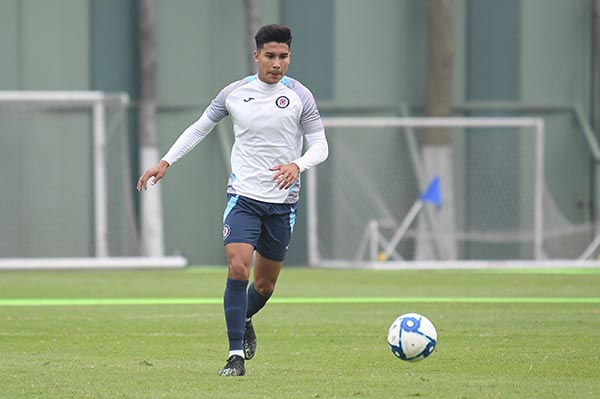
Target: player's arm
[317, 152]
[314, 133]
[190, 137]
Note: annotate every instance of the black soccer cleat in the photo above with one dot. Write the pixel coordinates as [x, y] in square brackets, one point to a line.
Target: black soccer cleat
[234, 367]
[249, 340]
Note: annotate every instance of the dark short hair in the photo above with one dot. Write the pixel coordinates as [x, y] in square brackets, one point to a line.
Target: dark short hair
[273, 33]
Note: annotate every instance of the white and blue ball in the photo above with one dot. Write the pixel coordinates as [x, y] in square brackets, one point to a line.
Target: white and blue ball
[412, 337]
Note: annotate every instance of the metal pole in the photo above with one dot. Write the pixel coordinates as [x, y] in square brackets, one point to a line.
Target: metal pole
[408, 219]
[100, 181]
[312, 218]
[539, 191]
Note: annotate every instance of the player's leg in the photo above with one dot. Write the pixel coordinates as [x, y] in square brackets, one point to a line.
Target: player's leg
[239, 258]
[235, 303]
[266, 273]
[241, 228]
[271, 249]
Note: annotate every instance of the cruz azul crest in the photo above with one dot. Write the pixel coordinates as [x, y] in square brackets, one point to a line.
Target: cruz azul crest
[282, 101]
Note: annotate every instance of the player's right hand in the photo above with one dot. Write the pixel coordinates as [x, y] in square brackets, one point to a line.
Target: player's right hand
[157, 171]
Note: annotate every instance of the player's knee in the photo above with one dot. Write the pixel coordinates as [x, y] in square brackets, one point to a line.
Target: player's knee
[237, 269]
[264, 287]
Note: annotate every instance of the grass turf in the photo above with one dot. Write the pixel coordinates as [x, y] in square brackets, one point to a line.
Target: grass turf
[488, 348]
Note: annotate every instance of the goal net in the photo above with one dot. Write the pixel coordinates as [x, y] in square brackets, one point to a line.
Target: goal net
[438, 192]
[67, 197]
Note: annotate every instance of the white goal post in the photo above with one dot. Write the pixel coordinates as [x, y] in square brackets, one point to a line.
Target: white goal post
[102, 116]
[496, 209]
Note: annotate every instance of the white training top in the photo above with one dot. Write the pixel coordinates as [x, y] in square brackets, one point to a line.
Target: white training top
[269, 123]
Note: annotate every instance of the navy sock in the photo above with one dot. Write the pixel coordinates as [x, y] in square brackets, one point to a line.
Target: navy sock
[235, 303]
[255, 301]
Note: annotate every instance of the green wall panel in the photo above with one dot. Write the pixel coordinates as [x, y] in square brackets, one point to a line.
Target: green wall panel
[9, 44]
[379, 51]
[492, 75]
[113, 46]
[311, 22]
[556, 68]
[55, 52]
[47, 212]
[197, 57]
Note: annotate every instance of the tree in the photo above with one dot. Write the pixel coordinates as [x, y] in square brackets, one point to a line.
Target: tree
[437, 145]
[440, 62]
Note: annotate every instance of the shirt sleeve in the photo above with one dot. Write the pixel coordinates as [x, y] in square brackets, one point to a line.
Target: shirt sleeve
[314, 131]
[317, 151]
[190, 137]
[310, 119]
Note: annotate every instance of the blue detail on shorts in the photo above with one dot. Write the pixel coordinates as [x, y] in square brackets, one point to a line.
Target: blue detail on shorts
[292, 219]
[230, 204]
[285, 81]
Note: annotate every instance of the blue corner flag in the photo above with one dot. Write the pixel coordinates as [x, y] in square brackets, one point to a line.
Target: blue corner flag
[432, 193]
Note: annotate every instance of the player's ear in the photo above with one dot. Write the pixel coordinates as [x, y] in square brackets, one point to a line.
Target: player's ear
[255, 55]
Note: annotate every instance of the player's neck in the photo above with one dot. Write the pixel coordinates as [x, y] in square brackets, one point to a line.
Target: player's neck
[265, 85]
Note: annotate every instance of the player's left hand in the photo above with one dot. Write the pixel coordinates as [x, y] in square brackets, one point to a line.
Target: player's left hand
[286, 175]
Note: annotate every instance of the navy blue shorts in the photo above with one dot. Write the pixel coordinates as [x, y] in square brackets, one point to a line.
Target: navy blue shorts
[268, 227]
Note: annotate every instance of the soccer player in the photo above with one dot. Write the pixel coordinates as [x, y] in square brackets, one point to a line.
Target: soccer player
[272, 115]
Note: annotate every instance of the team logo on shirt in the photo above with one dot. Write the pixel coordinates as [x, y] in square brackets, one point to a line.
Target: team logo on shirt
[226, 231]
[282, 102]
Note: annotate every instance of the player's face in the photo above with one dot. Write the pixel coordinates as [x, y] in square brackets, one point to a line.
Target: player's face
[273, 60]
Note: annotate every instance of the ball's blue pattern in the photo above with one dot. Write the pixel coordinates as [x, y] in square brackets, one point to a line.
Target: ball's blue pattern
[412, 325]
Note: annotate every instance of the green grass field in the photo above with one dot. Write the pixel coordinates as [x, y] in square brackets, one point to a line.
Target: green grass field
[161, 334]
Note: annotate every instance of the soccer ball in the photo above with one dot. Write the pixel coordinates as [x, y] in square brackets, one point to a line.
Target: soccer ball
[412, 337]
